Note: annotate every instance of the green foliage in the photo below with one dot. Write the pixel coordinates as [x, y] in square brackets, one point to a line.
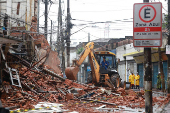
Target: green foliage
[165, 24]
[80, 50]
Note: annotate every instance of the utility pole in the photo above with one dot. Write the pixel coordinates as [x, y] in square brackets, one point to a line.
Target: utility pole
[38, 15]
[160, 64]
[58, 31]
[46, 16]
[51, 34]
[148, 78]
[88, 37]
[168, 44]
[68, 33]
[62, 38]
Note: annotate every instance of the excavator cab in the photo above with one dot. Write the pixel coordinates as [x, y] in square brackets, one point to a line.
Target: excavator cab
[110, 59]
[109, 73]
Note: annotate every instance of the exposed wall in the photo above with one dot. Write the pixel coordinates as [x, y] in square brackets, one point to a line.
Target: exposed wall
[121, 71]
[20, 12]
[131, 68]
[120, 51]
[127, 63]
[128, 49]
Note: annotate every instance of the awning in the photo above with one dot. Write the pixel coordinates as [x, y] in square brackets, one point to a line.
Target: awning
[141, 52]
[139, 56]
[136, 53]
[140, 59]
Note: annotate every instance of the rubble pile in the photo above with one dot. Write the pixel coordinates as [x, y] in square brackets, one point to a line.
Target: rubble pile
[34, 89]
[41, 84]
[39, 87]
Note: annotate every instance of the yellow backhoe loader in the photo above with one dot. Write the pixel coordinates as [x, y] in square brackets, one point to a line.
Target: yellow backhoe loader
[99, 75]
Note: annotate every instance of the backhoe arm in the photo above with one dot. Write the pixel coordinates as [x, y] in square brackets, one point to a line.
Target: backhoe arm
[94, 67]
[85, 53]
[71, 72]
[93, 63]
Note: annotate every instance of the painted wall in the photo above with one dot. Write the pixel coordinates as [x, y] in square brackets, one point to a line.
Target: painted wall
[128, 49]
[131, 68]
[125, 69]
[20, 11]
[121, 71]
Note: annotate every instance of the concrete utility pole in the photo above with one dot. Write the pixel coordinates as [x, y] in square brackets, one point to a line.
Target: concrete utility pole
[58, 31]
[161, 69]
[168, 44]
[38, 15]
[51, 33]
[88, 37]
[62, 38]
[148, 78]
[46, 20]
[68, 33]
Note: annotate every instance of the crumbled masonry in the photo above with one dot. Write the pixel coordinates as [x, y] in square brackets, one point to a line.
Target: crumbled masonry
[38, 87]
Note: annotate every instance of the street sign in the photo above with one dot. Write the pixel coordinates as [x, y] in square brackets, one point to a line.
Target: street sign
[147, 24]
[167, 49]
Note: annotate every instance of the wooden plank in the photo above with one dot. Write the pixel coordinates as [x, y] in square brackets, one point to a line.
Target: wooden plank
[99, 101]
[5, 41]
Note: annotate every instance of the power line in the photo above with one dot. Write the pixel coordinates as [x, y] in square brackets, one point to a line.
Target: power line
[100, 23]
[20, 21]
[123, 20]
[102, 11]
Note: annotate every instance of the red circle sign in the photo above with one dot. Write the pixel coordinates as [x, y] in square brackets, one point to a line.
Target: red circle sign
[151, 18]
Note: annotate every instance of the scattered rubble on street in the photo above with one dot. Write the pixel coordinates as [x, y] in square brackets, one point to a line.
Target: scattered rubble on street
[69, 95]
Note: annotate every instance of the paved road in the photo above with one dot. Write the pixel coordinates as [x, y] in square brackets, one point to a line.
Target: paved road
[166, 109]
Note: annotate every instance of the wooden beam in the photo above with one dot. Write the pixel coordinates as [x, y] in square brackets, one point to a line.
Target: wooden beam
[5, 41]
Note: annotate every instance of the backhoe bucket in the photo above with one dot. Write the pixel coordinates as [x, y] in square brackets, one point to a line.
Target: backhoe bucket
[71, 72]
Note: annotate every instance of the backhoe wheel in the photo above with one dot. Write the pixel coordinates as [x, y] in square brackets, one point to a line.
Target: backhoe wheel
[115, 80]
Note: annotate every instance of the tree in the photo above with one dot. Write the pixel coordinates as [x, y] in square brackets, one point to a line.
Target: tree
[80, 50]
[165, 23]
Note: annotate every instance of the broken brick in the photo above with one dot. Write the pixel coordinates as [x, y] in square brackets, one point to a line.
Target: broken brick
[68, 82]
[69, 96]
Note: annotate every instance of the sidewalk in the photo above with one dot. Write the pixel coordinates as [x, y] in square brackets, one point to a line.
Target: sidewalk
[166, 108]
[156, 108]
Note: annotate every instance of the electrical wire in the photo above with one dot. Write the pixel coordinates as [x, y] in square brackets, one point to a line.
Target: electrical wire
[23, 22]
[123, 20]
[101, 11]
[25, 14]
[79, 39]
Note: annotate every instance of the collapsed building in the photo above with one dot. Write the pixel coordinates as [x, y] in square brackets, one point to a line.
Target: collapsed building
[30, 73]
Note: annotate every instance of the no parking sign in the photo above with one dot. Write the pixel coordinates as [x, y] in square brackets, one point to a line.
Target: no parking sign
[147, 24]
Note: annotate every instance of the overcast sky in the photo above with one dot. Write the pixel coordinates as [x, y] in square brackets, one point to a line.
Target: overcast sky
[118, 14]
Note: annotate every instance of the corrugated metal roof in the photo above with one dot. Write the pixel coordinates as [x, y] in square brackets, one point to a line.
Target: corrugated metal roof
[102, 40]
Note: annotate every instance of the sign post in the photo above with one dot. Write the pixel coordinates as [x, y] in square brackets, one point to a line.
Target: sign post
[147, 33]
[147, 25]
